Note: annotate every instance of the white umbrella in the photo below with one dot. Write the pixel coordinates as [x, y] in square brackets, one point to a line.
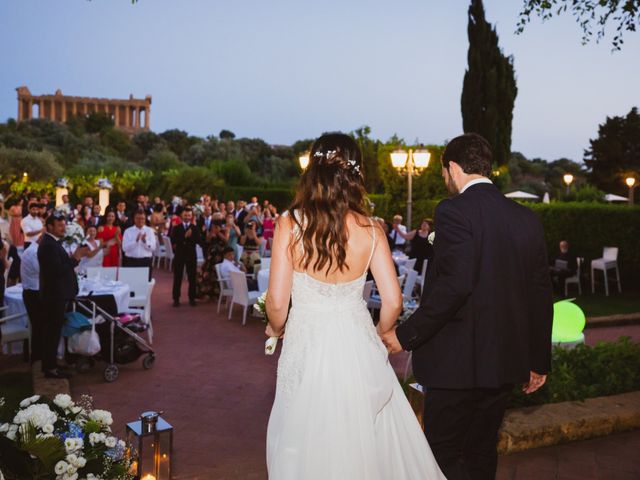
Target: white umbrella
[519, 195]
[610, 197]
[546, 198]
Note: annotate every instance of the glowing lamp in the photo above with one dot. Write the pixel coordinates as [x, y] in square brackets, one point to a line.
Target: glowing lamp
[303, 160]
[630, 181]
[568, 179]
[25, 176]
[399, 159]
[421, 158]
[568, 323]
[151, 442]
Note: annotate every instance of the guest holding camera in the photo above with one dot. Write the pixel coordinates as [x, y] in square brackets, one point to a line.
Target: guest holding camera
[251, 243]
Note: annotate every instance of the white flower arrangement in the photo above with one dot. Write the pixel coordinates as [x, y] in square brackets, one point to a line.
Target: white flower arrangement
[105, 184]
[198, 209]
[260, 306]
[74, 234]
[72, 441]
[431, 238]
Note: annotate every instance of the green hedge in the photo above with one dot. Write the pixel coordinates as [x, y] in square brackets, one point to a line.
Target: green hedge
[588, 227]
[587, 372]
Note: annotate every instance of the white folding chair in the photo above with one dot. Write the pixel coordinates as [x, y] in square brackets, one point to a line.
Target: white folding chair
[609, 261]
[138, 280]
[265, 263]
[421, 278]
[168, 252]
[239, 250]
[575, 280]
[103, 273]
[145, 310]
[241, 294]
[401, 279]
[408, 266]
[160, 252]
[13, 330]
[262, 249]
[225, 288]
[409, 284]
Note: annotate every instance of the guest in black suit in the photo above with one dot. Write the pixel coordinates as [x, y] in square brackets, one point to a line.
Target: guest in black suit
[58, 285]
[565, 266]
[184, 238]
[484, 324]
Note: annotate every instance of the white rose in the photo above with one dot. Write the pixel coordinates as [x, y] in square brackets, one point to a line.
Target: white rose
[79, 443]
[4, 428]
[81, 462]
[110, 442]
[76, 410]
[70, 444]
[72, 458]
[25, 403]
[121, 444]
[71, 469]
[48, 428]
[35, 398]
[13, 430]
[63, 401]
[61, 467]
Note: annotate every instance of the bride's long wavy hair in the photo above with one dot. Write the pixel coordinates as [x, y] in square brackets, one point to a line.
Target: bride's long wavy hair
[330, 188]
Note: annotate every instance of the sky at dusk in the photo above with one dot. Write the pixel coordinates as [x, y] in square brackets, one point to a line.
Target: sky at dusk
[284, 70]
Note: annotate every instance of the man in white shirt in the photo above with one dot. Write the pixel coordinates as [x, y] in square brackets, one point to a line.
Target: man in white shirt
[30, 275]
[139, 243]
[397, 239]
[32, 225]
[229, 265]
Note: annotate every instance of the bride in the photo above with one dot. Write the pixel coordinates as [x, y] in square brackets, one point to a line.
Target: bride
[339, 411]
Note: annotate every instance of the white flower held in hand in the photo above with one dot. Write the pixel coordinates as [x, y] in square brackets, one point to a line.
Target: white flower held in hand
[431, 238]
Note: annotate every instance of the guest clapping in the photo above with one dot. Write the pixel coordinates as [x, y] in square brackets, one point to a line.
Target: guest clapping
[419, 246]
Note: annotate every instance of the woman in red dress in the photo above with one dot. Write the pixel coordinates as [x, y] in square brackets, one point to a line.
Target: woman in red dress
[111, 235]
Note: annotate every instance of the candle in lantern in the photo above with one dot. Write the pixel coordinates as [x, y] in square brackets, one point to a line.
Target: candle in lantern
[148, 477]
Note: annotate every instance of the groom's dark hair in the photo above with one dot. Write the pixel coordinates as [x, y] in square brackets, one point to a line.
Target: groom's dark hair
[472, 152]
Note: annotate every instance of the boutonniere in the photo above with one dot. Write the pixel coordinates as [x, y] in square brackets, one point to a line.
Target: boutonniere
[432, 237]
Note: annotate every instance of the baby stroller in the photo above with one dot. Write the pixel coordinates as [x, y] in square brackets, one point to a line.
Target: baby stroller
[120, 342]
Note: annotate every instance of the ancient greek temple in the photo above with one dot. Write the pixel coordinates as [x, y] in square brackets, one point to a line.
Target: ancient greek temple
[130, 115]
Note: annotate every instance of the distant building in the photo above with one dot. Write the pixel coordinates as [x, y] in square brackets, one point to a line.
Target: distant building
[130, 115]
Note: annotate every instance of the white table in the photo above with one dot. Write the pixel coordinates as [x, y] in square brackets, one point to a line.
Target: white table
[120, 291]
[15, 305]
[263, 280]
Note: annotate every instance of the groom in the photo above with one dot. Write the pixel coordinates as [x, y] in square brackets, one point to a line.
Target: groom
[484, 323]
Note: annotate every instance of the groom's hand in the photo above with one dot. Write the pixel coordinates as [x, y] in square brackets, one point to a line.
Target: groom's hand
[390, 340]
[536, 381]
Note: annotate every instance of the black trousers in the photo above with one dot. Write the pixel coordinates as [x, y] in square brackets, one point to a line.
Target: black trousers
[179, 264]
[54, 320]
[462, 429]
[138, 262]
[33, 304]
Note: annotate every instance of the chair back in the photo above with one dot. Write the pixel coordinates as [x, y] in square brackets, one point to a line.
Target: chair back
[401, 279]
[6, 270]
[263, 248]
[265, 263]
[423, 273]
[158, 252]
[409, 284]
[410, 264]
[368, 290]
[137, 278]
[224, 282]
[104, 273]
[579, 262]
[239, 250]
[168, 248]
[610, 254]
[240, 288]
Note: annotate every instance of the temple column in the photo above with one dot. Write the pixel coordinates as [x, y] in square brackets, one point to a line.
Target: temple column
[64, 111]
[74, 108]
[116, 116]
[53, 110]
[127, 117]
[147, 113]
[20, 109]
[29, 109]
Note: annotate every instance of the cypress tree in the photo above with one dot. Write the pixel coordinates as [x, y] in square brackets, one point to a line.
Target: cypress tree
[489, 89]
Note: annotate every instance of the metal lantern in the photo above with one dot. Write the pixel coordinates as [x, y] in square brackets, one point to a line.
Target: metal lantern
[151, 442]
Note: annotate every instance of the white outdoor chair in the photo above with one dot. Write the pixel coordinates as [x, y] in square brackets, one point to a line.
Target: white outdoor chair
[138, 280]
[367, 291]
[409, 284]
[15, 331]
[104, 273]
[408, 266]
[263, 249]
[144, 308]
[421, 278]
[575, 280]
[375, 302]
[160, 252]
[168, 252]
[239, 250]
[241, 294]
[225, 288]
[609, 261]
[6, 270]
[265, 263]
[401, 280]
[199, 256]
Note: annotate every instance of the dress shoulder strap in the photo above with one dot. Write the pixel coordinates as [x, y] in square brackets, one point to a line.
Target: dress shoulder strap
[373, 243]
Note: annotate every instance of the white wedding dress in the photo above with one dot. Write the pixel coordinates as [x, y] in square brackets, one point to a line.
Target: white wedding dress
[339, 411]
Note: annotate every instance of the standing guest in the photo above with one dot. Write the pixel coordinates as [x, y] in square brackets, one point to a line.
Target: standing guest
[157, 220]
[96, 249]
[30, 275]
[233, 233]
[32, 226]
[4, 265]
[565, 266]
[58, 286]
[229, 265]
[15, 228]
[231, 209]
[139, 243]
[420, 247]
[213, 247]
[4, 222]
[254, 217]
[87, 209]
[13, 276]
[242, 214]
[184, 238]
[251, 243]
[122, 218]
[95, 219]
[396, 229]
[205, 222]
[253, 203]
[268, 225]
[111, 234]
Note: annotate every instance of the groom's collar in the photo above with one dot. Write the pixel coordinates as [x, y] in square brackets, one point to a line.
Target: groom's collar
[475, 182]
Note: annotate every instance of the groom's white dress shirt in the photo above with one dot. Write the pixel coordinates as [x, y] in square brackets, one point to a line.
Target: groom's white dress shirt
[475, 182]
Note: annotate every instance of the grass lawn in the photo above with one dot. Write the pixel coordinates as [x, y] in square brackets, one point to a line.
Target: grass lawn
[14, 387]
[599, 305]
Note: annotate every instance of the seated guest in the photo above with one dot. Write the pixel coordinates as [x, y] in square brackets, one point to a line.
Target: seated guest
[96, 250]
[139, 243]
[229, 265]
[395, 235]
[565, 266]
[32, 225]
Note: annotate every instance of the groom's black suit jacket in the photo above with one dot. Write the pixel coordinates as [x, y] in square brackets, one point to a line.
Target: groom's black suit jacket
[486, 311]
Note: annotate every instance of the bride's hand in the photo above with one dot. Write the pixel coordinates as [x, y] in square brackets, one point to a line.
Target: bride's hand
[271, 332]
